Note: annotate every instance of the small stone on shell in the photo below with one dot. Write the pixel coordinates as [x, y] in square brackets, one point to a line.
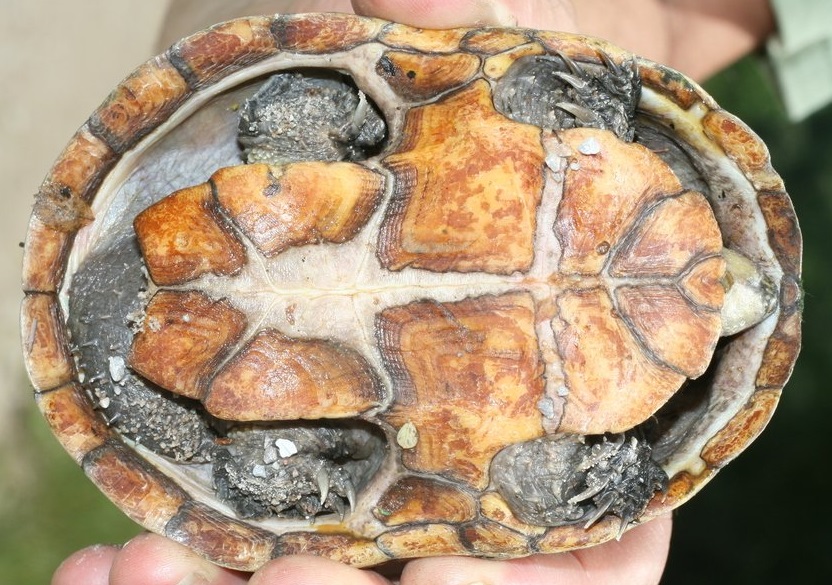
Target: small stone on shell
[408, 436]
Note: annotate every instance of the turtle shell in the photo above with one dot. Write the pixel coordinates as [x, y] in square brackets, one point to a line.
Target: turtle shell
[328, 284]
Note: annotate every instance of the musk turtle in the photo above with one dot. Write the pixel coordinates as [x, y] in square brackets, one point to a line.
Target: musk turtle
[329, 284]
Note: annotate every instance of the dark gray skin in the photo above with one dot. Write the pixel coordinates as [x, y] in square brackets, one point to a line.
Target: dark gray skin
[556, 93]
[303, 470]
[564, 479]
[106, 300]
[294, 117]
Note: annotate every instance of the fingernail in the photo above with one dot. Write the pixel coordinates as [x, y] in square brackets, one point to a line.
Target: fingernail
[498, 14]
[195, 579]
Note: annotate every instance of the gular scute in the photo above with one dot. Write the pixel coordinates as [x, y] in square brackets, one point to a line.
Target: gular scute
[468, 377]
[702, 283]
[673, 332]
[460, 208]
[279, 378]
[184, 338]
[184, 236]
[277, 207]
[670, 237]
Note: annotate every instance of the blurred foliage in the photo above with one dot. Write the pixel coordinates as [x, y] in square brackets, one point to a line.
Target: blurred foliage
[750, 525]
[53, 510]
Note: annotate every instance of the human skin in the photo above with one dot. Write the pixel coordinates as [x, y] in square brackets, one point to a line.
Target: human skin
[715, 34]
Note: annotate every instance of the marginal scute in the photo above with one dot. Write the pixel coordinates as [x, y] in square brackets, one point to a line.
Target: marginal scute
[184, 337]
[215, 535]
[493, 540]
[184, 236]
[469, 379]
[496, 66]
[323, 33]
[574, 536]
[494, 507]
[48, 360]
[73, 421]
[490, 41]
[275, 377]
[417, 499]
[461, 208]
[737, 140]
[784, 232]
[344, 548]
[277, 207]
[139, 104]
[400, 36]
[430, 539]
[781, 351]
[741, 429]
[44, 258]
[140, 490]
[209, 55]
[419, 76]
[83, 164]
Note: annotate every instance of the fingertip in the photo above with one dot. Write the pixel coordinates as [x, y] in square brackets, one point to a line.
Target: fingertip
[540, 14]
[150, 558]
[640, 555]
[310, 570]
[454, 571]
[438, 13]
[90, 566]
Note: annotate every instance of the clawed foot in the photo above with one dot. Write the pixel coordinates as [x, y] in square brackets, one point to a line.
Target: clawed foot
[295, 472]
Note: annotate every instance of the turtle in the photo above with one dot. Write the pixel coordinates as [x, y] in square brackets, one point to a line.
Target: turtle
[329, 284]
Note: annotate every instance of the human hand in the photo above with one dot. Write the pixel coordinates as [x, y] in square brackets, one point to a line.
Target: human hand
[697, 37]
[638, 558]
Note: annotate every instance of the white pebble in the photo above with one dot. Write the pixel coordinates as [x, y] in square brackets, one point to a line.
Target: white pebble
[408, 436]
[118, 369]
[590, 146]
[285, 447]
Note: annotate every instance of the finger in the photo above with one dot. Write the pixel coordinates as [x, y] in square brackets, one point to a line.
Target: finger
[437, 13]
[150, 558]
[542, 14]
[90, 566]
[309, 570]
[637, 559]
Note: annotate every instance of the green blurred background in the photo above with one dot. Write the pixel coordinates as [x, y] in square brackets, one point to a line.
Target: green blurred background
[762, 520]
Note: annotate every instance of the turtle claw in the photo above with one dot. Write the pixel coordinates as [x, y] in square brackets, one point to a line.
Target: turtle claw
[340, 509]
[351, 496]
[323, 478]
[584, 115]
[575, 81]
[573, 67]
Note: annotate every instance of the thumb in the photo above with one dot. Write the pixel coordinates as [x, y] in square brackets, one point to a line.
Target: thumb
[543, 14]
